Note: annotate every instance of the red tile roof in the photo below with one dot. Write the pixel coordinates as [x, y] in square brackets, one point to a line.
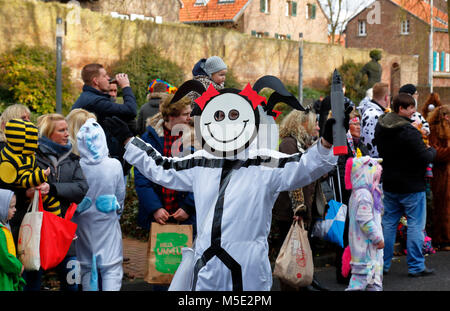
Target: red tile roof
[213, 11]
[421, 9]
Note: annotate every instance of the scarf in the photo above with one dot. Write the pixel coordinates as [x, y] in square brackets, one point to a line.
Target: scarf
[55, 148]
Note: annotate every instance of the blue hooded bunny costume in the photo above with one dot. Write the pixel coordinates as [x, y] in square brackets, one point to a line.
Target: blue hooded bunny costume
[99, 243]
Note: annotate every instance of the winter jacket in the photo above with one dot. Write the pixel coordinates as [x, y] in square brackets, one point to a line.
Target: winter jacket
[149, 109]
[150, 194]
[10, 266]
[206, 81]
[99, 243]
[66, 179]
[369, 119]
[66, 176]
[100, 103]
[405, 156]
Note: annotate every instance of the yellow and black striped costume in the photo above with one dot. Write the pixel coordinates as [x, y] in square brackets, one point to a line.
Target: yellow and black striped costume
[18, 161]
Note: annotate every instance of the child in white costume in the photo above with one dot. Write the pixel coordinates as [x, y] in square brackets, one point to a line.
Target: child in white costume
[365, 233]
[99, 243]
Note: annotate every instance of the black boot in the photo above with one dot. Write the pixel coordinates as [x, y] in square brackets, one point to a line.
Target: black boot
[317, 286]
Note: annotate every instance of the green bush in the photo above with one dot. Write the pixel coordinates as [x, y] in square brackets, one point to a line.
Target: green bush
[28, 76]
[231, 80]
[145, 64]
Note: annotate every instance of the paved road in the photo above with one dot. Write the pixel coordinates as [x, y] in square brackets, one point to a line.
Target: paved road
[396, 280]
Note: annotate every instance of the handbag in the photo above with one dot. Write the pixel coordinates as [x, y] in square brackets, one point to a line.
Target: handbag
[332, 227]
[57, 234]
[30, 236]
[294, 264]
[164, 252]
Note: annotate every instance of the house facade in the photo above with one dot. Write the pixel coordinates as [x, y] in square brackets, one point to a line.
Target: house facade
[403, 27]
[280, 19]
[158, 11]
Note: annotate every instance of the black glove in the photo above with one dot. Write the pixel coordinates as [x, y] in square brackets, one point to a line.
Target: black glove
[117, 128]
[328, 130]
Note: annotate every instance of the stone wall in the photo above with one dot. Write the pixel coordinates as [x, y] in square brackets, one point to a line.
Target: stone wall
[94, 37]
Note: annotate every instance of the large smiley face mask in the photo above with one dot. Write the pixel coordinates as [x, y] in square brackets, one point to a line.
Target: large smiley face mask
[228, 121]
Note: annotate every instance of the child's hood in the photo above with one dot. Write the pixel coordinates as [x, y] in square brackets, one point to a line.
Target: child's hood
[5, 200]
[21, 136]
[91, 141]
[362, 172]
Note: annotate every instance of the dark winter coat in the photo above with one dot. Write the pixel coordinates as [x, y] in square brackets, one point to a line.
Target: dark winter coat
[150, 194]
[148, 110]
[405, 155]
[67, 181]
[101, 105]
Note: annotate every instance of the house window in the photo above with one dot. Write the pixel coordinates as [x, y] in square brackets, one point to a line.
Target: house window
[264, 6]
[404, 29]
[435, 61]
[226, 1]
[442, 61]
[291, 8]
[447, 62]
[201, 2]
[310, 11]
[259, 34]
[362, 30]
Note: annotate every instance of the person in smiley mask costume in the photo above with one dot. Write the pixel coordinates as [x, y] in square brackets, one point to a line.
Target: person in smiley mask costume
[236, 178]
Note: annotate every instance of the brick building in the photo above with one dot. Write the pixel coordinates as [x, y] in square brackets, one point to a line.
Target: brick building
[155, 10]
[403, 27]
[280, 19]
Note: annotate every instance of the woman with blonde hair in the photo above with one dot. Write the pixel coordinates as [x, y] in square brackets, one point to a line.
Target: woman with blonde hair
[16, 111]
[66, 180]
[75, 120]
[298, 131]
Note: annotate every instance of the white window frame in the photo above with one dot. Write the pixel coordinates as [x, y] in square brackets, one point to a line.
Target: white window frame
[362, 28]
[201, 2]
[447, 62]
[404, 27]
[266, 6]
[436, 63]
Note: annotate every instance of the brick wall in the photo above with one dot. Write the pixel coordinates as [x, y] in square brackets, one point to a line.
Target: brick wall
[93, 37]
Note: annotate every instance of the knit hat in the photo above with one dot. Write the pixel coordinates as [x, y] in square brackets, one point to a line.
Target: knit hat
[408, 88]
[160, 86]
[214, 64]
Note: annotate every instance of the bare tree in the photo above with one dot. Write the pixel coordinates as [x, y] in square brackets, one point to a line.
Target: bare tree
[339, 12]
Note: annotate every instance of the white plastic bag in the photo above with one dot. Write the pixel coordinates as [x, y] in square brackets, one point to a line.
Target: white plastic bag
[30, 237]
[182, 280]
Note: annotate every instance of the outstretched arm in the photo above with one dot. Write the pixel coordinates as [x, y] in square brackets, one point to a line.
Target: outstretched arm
[167, 172]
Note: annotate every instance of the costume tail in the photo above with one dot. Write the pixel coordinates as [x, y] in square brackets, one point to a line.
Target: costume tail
[346, 258]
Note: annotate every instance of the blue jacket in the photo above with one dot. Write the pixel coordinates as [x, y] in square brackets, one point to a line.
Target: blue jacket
[100, 103]
[150, 194]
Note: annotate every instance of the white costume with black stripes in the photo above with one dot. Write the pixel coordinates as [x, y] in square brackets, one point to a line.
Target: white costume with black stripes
[233, 199]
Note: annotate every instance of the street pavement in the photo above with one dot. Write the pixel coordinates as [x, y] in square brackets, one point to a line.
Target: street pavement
[325, 272]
